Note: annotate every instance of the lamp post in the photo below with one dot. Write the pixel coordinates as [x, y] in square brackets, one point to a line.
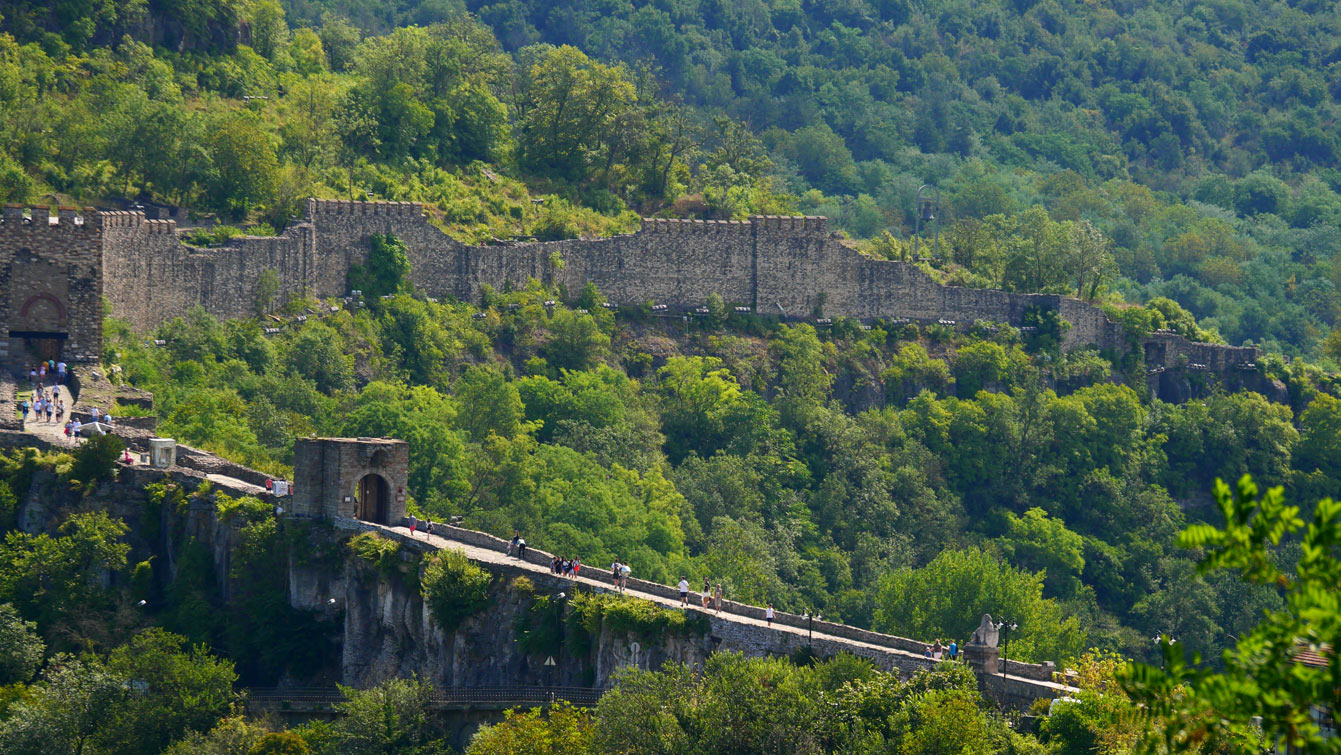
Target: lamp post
[1005, 626]
[928, 207]
[1159, 643]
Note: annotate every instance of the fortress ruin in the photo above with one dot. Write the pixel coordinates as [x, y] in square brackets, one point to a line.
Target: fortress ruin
[56, 270]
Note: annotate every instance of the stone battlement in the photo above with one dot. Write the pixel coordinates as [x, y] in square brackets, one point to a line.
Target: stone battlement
[32, 217]
[781, 224]
[791, 224]
[319, 208]
[664, 225]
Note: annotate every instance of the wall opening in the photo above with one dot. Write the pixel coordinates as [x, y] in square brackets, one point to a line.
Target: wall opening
[372, 499]
[41, 345]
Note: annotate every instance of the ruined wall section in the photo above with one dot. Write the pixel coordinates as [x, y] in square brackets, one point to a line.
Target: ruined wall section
[151, 276]
[676, 262]
[50, 281]
[780, 266]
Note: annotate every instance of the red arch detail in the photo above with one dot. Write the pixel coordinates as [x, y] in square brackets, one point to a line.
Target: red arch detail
[60, 307]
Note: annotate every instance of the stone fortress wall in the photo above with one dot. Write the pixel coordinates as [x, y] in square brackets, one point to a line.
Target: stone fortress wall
[782, 266]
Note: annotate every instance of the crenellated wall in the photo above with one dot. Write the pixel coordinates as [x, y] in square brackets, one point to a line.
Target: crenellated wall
[780, 266]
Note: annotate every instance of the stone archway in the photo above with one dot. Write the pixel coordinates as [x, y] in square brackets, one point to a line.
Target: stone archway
[372, 499]
[42, 326]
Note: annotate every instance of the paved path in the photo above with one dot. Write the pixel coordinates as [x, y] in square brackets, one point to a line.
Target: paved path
[600, 581]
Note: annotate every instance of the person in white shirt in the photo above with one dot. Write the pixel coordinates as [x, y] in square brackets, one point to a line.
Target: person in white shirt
[684, 592]
[768, 614]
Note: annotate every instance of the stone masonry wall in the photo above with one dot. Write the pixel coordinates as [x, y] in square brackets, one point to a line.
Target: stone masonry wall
[780, 266]
[50, 281]
[151, 276]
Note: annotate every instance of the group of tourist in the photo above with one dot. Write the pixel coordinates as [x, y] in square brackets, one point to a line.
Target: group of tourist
[415, 526]
[619, 574]
[941, 652]
[709, 596]
[37, 376]
[46, 403]
[565, 567]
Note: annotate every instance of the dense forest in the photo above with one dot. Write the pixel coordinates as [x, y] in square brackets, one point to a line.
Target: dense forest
[1190, 140]
[1175, 163]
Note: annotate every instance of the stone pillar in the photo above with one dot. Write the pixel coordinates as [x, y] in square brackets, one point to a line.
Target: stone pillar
[985, 659]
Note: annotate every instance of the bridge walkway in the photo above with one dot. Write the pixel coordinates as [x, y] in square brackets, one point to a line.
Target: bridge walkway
[599, 580]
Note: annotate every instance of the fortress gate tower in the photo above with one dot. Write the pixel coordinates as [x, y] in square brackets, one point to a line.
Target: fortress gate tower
[355, 478]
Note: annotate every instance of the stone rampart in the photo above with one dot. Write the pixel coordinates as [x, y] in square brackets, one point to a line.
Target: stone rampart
[151, 276]
[779, 266]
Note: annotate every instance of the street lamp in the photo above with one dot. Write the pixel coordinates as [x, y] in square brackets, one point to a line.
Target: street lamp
[1160, 643]
[928, 207]
[1005, 627]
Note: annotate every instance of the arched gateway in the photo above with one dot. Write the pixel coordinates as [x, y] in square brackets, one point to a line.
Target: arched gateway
[355, 478]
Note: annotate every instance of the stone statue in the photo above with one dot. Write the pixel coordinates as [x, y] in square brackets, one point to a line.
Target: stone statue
[986, 633]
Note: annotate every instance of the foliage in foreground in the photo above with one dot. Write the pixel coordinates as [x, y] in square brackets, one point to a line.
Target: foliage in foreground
[1264, 691]
[756, 705]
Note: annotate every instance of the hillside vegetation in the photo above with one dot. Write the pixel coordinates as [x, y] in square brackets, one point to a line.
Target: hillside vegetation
[1183, 149]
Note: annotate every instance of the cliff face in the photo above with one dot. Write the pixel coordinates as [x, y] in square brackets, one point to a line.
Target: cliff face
[379, 625]
[388, 632]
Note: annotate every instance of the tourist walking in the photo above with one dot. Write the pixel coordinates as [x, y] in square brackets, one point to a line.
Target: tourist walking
[521, 548]
[76, 430]
[684, 592]
[706, 595]
[624, 570]
[953, 653]
[768, 614]
[512, 544]
[717, 598]
[414, 524]
[614, 572]
[23, 409]
[577, 565]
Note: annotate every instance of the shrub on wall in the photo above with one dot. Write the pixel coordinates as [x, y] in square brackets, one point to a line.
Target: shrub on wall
[454, 587]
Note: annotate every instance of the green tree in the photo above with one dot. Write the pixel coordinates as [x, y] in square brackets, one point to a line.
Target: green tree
[560, 730]
[576, 342]
[1039, 543]
[178, 689]
[96, 459]
[389, 719]
[280, 743]
[387, 270]
[68, 710]
[1266, 689]
[569, 108]
[493, 404]
[948, 597]
[20, 648]
[454, 587]
[243, 168]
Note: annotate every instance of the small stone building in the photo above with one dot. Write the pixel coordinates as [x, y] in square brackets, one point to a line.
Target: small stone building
[355, 478]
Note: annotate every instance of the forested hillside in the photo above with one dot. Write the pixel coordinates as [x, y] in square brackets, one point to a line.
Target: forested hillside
[896, 477]
[1185, 147]
[1176, 163]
